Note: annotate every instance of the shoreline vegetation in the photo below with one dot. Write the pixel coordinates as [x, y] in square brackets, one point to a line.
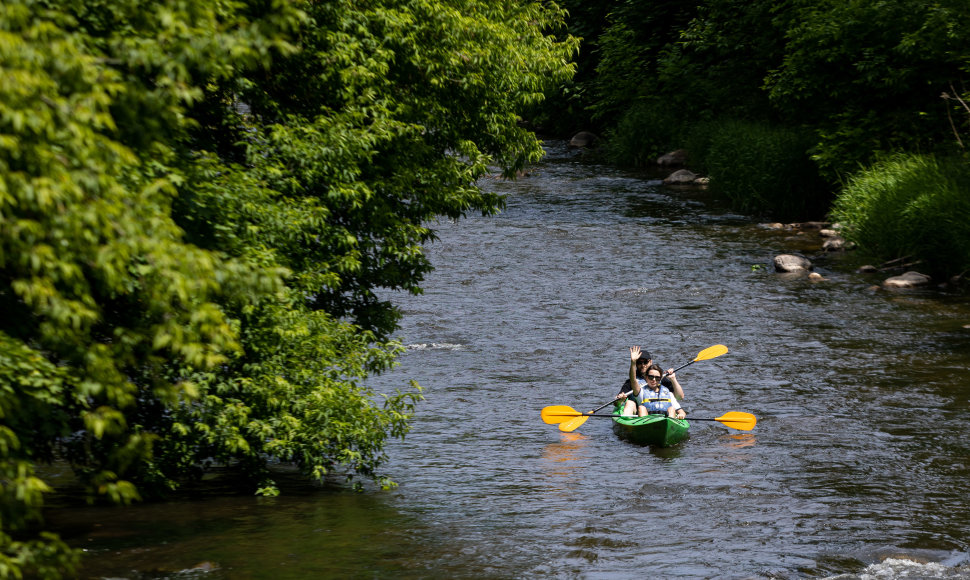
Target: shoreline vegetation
[851, 112]
[201, 203]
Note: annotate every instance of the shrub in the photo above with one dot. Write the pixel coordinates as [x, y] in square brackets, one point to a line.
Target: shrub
[763, 169]
[645, 132]
[910, 205]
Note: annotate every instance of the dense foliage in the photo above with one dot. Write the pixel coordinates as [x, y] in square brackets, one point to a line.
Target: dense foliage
[868, 76]
[778, 102]
[864, 76]
[737, 157]
[199, 202]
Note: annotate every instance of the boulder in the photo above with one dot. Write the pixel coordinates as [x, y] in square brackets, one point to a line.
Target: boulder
[677, 158]
[837, 243]
[907, 280]
[680, 177]
[583, 139]
[792, 263]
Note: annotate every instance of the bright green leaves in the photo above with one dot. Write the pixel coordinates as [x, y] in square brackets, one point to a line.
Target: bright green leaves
[384, 122]
[199, 204]
[882, 205]
[104, 304]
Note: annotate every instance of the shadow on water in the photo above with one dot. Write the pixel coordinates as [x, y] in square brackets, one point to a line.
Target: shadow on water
[307, 533]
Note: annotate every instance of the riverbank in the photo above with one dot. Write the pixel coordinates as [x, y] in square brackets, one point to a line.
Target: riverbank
[907, 214]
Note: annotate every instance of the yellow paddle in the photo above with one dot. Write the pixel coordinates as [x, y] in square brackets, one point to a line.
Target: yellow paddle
[554, 414]
[733, 419]
[570, 425]
[567, 425]
[706, 354]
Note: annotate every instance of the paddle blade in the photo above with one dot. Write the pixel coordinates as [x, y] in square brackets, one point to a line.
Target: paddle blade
[711, 352]
[554, 414]
[572, 424]
[738, 420]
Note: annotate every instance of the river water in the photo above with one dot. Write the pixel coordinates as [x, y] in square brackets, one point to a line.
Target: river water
[857, 468]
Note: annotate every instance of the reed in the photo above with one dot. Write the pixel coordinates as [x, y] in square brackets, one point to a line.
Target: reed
[762, 169]
[644, 132]
[910, 205]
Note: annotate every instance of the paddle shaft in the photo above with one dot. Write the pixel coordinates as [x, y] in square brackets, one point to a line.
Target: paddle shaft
[605, 404]
[592, 415]
[680, 367]
[578, 414]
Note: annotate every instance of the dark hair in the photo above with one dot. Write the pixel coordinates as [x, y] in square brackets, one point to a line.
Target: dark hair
[654, 367]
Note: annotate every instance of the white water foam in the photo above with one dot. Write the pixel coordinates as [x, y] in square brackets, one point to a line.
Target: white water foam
[435, 346]
[895, 568]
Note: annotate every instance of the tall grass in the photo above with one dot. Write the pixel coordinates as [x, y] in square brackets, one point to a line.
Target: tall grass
[910, 205]
[644, 132]
[761, 169]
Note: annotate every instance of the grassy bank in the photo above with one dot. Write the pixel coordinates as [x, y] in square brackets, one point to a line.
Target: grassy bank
[915, 206]
[905, 205]
[760, 168]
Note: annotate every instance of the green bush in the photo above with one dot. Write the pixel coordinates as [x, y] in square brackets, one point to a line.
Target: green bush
[762, 169]
[644, 133]
[910, 205]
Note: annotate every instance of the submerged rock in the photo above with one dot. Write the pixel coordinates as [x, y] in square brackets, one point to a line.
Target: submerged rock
[907, 280]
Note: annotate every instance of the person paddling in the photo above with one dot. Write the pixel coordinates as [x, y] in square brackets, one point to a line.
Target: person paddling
[648, 395]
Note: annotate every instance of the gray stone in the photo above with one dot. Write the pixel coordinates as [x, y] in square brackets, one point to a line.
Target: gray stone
[907, 280]
[792, 263]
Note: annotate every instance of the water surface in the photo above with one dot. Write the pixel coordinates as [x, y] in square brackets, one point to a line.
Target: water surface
[858, 466]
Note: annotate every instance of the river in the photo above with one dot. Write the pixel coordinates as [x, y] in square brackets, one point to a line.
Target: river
[857, 468]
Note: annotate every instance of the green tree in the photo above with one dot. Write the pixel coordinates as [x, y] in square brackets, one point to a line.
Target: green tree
[630, 49]
[718, 65]
[868, 76]
[198, 205]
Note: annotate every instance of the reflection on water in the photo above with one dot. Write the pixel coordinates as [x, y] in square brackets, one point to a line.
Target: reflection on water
[741, 440]
[568, 450]
[563, 461]
[565, 451]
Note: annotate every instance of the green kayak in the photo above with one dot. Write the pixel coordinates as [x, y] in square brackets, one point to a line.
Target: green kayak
[656, 430]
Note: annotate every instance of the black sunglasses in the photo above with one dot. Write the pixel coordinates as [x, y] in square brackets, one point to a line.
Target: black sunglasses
[654, 377]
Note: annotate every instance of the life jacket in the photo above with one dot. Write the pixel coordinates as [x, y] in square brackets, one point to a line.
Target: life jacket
[655, 402]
